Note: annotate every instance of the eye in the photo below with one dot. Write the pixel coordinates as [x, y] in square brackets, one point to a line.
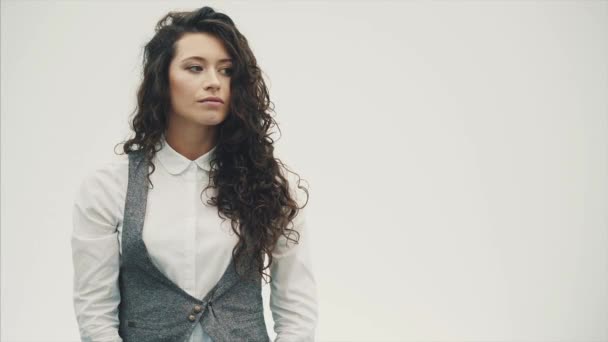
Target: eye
[194, 66]
[228, 71]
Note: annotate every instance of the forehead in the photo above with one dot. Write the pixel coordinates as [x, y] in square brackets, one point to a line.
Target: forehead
[202, 45]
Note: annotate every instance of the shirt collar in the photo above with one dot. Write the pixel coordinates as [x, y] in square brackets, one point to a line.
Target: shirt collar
[176, 163]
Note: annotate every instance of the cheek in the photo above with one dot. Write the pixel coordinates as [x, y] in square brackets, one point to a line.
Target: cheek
[182, 86]
[228, 90]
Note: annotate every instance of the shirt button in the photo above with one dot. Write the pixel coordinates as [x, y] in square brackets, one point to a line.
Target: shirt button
[197, 308]
[192, 318]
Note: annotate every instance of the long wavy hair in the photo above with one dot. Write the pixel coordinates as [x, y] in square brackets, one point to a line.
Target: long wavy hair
[252, 191]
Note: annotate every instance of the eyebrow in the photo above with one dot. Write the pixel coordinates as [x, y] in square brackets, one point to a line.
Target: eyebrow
[204, 60]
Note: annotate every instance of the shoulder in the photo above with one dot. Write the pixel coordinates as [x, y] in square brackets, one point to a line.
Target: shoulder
[111, 172]
[298, 185]
[299, 192]
[298, 188]
[103, 187]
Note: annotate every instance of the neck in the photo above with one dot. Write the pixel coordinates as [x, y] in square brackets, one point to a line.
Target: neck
[191, 141]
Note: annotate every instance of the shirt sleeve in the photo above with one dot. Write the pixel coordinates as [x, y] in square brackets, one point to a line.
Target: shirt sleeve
[293, 296]
[95, 257]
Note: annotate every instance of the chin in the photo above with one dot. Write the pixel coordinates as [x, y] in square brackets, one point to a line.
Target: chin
[211, 120]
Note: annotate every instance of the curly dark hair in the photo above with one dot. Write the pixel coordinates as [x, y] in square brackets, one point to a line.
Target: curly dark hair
[252, 190]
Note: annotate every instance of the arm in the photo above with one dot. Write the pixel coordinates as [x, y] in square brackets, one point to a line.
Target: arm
[293, 297]
[95, 256]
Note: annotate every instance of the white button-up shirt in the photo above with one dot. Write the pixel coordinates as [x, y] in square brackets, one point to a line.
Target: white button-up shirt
[186, 240]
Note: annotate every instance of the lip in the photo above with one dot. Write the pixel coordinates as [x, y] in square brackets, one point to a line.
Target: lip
[211, 99]
[211, 103]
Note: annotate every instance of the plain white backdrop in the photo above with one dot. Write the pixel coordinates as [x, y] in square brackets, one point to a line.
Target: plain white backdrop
[456, 154]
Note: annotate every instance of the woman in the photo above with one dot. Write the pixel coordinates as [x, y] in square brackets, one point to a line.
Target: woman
[169, 242]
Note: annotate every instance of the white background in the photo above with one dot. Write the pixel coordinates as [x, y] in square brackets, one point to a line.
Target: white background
[456, 154]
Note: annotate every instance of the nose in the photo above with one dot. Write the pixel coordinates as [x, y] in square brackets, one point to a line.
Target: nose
[211, 81]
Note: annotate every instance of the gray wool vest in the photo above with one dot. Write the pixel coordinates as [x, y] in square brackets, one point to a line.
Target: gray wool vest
[154, 309]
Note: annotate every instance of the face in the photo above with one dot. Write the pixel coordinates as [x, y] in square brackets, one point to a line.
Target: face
[200, 68]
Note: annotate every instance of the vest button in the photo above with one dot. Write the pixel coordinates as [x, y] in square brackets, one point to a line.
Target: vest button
[192, 318]
[197, 308]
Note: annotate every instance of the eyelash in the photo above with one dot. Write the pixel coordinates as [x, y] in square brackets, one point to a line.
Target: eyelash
[197, 66]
